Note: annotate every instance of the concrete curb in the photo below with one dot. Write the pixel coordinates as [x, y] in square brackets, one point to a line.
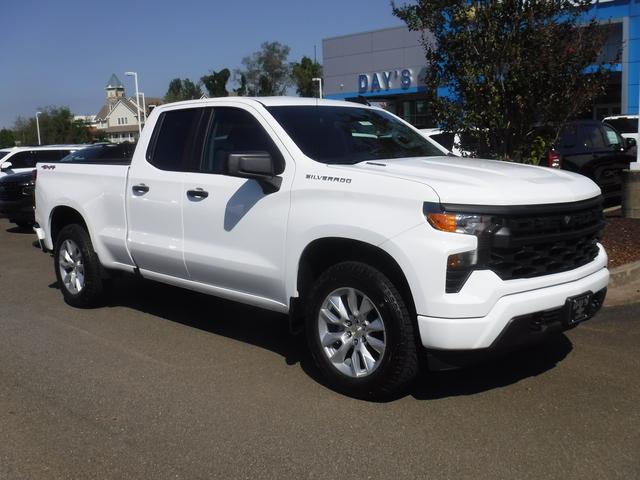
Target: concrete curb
[624, 274]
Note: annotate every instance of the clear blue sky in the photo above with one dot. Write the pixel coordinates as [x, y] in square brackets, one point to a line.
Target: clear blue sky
[62, 52]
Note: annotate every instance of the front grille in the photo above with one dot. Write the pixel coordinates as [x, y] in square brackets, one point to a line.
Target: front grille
[11, 191]
[534, 245]
[531, 241]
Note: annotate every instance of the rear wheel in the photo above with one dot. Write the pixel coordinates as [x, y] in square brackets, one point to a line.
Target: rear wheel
[360, 332]
[77, 268]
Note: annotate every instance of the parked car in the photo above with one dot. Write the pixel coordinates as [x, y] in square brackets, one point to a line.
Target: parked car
[102, 153]
[455, 143]
[626, 125]
[596, 150]
[373, 242]
[24, 159]
[443, 141]
[16, 198]
[16, 190]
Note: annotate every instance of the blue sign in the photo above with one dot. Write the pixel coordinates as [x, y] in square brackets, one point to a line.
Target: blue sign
[381, 81]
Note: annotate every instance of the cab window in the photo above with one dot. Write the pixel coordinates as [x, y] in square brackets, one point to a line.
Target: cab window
[234, 130]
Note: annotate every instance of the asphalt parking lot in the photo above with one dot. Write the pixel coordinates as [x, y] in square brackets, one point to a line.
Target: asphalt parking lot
[164, 383]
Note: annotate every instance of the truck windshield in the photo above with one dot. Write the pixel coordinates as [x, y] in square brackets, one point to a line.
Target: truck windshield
[349, 135]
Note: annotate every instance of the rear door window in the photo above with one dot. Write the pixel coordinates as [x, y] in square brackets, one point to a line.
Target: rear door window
[173, 139]
[22, 160]
[592, 137]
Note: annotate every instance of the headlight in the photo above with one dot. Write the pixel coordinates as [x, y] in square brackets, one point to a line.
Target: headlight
[460, 265]
[469, 224]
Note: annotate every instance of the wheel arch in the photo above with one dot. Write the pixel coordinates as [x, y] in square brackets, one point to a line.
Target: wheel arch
[322, 253]
[63, 215]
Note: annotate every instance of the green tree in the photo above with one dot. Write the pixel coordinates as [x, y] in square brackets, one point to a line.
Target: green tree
[56, 126]
[7, 138]
[182, 90]
[302, 73]
[509, 66]
[267, 71]
[216, 82]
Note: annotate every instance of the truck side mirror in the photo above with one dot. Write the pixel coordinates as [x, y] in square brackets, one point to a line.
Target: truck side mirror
[631, 142]
[257, 166]
[6, 166]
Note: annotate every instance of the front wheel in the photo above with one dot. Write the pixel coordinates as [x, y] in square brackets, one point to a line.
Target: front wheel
[360, 332]
[77, 268]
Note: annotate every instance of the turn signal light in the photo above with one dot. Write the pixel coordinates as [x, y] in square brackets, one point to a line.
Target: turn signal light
[445, 222]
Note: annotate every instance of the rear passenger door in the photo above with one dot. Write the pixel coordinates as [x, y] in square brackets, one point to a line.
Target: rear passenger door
[155, 194]
[234, 233]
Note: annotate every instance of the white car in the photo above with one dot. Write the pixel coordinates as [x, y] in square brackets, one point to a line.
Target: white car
[451, 143]
[371, 239]
[626, 125]
[23, 159]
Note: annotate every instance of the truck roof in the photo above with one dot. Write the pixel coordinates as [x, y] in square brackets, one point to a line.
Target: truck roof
[266, 101]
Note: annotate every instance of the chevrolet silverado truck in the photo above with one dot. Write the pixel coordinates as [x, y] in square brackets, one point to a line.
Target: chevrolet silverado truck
[345, 218]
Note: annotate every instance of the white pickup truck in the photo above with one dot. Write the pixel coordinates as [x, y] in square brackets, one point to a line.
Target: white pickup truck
[341, 215]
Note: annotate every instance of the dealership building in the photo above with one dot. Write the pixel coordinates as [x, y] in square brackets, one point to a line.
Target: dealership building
[387, 67]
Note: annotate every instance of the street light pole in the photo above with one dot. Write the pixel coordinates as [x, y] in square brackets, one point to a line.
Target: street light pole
[38, 127]
[319, 80]
[135, 78]
[144, 108]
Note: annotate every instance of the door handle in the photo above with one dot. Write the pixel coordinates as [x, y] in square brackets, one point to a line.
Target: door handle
[197, 193]
[140, 188]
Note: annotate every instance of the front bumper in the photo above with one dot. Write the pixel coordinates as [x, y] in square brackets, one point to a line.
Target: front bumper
[482, 332]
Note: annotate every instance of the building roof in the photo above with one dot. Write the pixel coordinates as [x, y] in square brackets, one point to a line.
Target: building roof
[114, 82]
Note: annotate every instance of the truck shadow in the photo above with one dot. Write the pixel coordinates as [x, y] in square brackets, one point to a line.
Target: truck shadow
[270, 331]
[18, 229]
[494, 372]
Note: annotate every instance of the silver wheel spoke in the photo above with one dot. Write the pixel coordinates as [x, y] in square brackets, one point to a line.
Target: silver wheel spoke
[352, 301]
[330, 338]
[369, 361]
[338, 304]
[64, 263]
[365, 307]
[329, 317]
[376, 344]
[340, 354]
[375, 326]
[355, 363]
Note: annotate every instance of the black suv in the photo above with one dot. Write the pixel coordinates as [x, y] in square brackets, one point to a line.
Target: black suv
[16, 198]
[596, 150]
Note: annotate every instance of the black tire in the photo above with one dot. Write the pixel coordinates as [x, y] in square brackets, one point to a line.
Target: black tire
[92, 293]
[399, 363]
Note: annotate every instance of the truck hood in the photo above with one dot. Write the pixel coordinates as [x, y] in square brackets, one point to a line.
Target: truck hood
[487, 182]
